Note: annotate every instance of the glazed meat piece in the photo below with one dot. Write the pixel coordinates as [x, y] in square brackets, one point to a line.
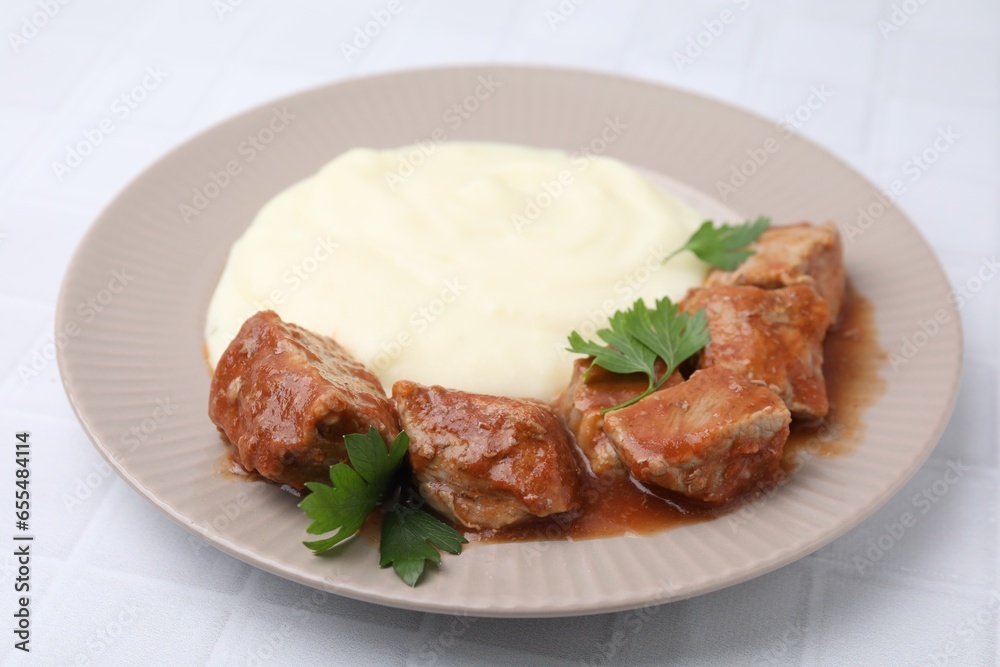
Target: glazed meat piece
[713, 438]
[286, 397]
[774, 337]
[587, 395]
[487, 461]
[794, 254]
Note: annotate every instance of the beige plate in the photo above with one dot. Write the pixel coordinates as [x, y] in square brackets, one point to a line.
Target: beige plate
[145, 346]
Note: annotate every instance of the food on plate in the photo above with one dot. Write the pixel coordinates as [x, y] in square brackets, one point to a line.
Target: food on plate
[507, 246]
[356, 490]
[592, 390]
[285, 398]
[487, 461]
[462, 275]
[410, 536]
[714, 437]
[772, 337]
[654, 342]
[793, 254]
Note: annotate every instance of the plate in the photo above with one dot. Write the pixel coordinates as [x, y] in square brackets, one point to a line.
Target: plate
[131, 313]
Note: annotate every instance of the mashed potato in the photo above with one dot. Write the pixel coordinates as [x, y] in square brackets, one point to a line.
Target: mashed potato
[469, 272]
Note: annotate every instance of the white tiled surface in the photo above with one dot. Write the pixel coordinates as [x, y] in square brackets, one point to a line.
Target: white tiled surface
[114, 582]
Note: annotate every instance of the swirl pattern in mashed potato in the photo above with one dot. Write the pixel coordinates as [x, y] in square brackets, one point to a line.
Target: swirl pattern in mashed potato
[469, 272]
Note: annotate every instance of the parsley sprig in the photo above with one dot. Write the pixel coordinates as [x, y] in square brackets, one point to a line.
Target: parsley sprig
[636, 337]
[724, 247]
[357, 489]
[409, 535]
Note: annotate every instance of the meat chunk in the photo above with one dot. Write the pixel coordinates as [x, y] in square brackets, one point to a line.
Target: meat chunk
[590, 393]
[286, 397]
[794, 254]
[487, 461]
[713, 438]
[774, 337]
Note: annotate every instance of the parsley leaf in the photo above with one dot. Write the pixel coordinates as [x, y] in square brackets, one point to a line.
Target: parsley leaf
[623, 356]
[356, 491]
[369, 456]
[409, 538]
[639, 335]
[409, 535]
[724, 247]
[672, 335]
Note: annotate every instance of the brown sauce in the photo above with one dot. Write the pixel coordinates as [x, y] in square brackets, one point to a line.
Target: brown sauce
[610, 507]
[852, 360]
[227, 465]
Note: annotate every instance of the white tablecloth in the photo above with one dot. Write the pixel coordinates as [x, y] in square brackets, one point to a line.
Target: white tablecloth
[115, 582]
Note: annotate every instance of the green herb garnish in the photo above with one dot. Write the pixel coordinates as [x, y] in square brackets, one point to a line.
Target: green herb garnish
[724, 247]
[409, 535]
[638, 336]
